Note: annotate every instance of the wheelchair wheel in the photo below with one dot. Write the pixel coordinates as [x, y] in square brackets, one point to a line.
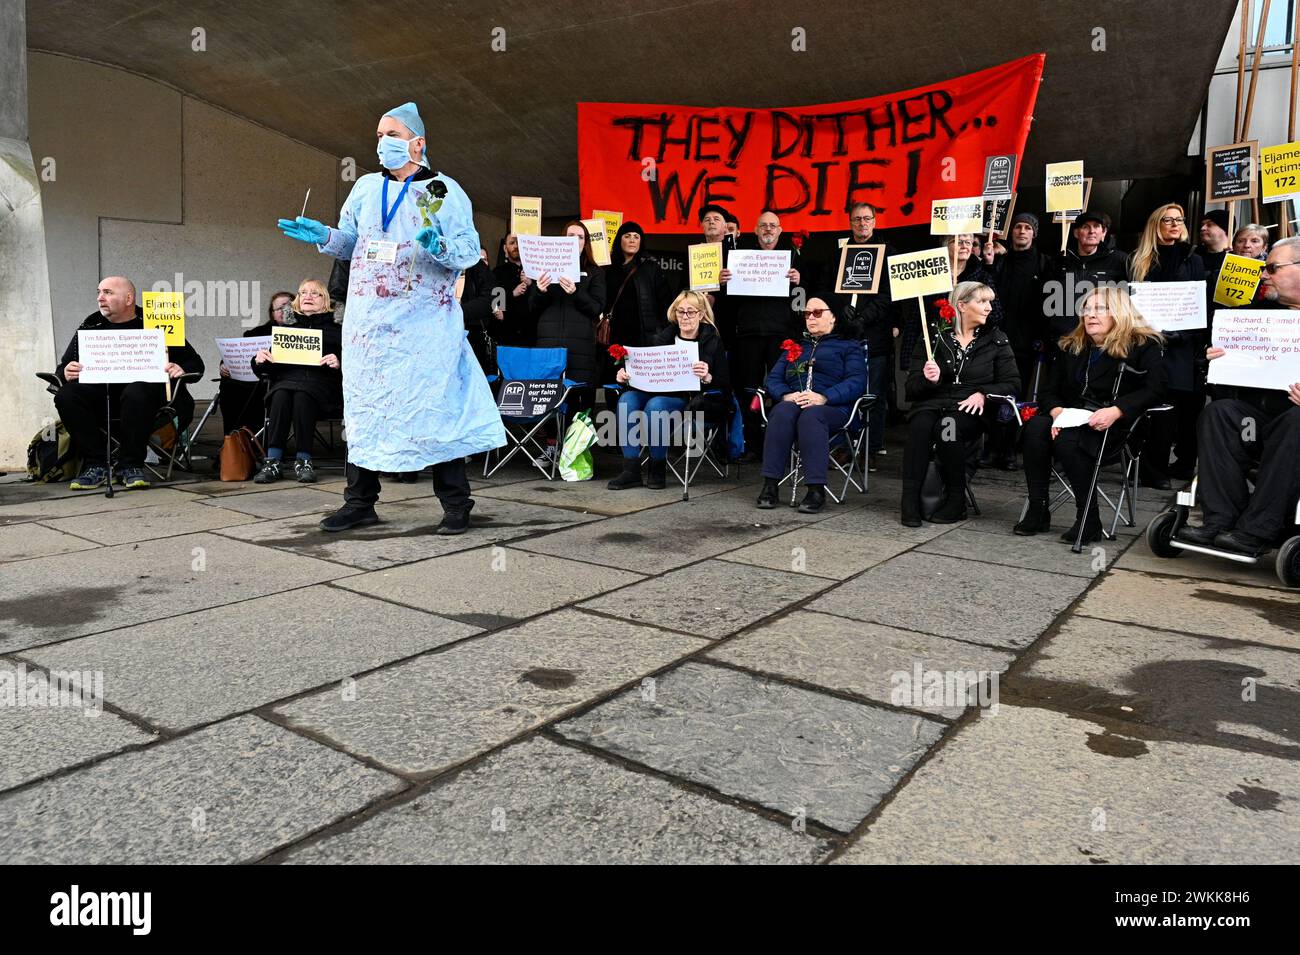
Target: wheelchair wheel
[1288, 562]
[1160, 532]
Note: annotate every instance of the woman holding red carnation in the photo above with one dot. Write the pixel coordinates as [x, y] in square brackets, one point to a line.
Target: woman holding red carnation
[947, 397]
[814, 385]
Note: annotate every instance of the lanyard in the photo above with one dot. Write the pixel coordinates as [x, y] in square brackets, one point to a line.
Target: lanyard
[388, 213]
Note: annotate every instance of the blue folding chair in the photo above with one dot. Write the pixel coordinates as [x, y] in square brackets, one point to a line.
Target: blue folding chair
[531, 364]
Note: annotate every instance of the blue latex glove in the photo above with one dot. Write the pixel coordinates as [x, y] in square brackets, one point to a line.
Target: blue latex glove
[305, 230]
[431, 238]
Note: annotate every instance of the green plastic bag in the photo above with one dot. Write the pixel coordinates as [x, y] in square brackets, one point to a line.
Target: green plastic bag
[575, 456]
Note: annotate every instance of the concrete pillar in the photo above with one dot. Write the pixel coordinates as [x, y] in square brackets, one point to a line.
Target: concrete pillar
[26, 326]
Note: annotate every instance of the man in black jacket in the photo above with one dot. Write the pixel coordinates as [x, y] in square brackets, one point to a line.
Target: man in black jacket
[1243, 424]
[1090, 259]
[1020, 288]
[876, 316]
[81, 407]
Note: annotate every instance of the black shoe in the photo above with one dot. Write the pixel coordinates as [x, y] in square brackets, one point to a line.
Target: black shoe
[304, 471]
[270, 472]
[348, 517]
[1239, 542]
[1091, 530]
[455, 522]
[814, 500]
[767, 498]
[952, 510]
[1038, 518]
[1203, 535]
[630, 476]
[656, 474]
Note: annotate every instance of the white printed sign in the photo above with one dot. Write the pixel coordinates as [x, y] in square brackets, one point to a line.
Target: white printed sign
[1261, 347]
[118, 357]
[758, 272]
[664, 368]
[557, 254]
[237, 355]
[1170, 306]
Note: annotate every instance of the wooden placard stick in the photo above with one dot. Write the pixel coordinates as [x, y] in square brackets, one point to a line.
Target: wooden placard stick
[925, 330]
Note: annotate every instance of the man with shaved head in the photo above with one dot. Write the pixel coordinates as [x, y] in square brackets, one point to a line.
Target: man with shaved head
[82, 407]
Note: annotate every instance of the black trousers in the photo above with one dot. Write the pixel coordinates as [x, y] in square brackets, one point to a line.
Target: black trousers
[298, 408]
[1075, 449]
[752, 357]
[1174, 430]
[450, 483]
[948, 433]
[1233, 434]
[82, 409]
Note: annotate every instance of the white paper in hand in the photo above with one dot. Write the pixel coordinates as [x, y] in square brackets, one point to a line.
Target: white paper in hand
[1072, 418]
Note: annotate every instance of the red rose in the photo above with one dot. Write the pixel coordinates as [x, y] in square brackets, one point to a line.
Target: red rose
[617, 352]
[792, 350]
[946, 311]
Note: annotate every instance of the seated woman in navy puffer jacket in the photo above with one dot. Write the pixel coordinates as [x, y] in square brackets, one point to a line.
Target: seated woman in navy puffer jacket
[814, 386]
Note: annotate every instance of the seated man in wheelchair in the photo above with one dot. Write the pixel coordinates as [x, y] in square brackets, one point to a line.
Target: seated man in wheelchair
[814, 384]
[1111, 339]
[83, 408]
[1242, 426]
[690, 319]
[300, 394]
[947, 394]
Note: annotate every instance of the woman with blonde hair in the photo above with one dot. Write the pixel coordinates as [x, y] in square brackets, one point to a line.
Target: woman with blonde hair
[1164, 254]
[645, 418]
[967, 266]
[1110, 336]
[301, 394]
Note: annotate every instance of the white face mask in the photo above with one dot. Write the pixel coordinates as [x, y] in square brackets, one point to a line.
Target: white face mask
[394, 152]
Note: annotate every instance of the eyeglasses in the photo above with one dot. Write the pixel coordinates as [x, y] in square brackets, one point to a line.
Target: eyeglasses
[1272, 267]
[1172, 220]
[688, 313]
[861, 218]
[814, 313]
[965, 242]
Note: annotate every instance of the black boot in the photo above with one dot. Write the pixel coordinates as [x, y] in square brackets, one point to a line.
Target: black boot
[630, 476]
[911, 511]
[1091, 527]
[952, 510]
[767, 498]
[455, 522]
[656, 474]
[1038, 518]
[814, 500]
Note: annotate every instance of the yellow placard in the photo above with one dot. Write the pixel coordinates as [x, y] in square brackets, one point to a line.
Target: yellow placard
[1279, 172]
[705, 266]
[1064, 186]
[166, 310]
[919, 273]
[296, 346]
[1238, 279]
[612, 221]
[956, 216]
[526, 215]
[599, 241]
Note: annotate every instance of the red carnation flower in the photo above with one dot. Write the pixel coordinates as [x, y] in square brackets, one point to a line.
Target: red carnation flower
[617, 352]
[1027, 412]
[946, 311]
[792, 350]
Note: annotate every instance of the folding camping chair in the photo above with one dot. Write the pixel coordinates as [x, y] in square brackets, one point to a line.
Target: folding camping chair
[531, 364]
[852, 437]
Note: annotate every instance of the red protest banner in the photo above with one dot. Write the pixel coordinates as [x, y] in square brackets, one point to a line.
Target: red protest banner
[660, 164]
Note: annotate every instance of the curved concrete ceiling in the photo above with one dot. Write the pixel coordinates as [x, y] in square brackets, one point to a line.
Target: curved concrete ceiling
[323, 71]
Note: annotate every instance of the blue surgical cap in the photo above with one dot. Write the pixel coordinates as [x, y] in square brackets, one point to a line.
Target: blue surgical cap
[408, 115]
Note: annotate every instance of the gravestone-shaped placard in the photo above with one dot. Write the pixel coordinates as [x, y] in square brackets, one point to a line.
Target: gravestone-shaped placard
[528, 399]
[860, 268]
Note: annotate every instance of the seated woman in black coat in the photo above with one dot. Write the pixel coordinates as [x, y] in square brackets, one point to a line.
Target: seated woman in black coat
[814, 384]
[1110, 333]
[241, 401]
[645, 418]
[947, 393]
[567, 313]
[300, 394]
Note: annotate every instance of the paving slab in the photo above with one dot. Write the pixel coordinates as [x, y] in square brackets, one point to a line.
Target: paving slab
[783, 747]
[949, 597]
[24, 541]
[822, 553]
[148, 523]
[72, 595]
[595, 498]
[1040, 552]
[85, 502]
[1197, 606]
[41, 732]
[713, 598]
[230, 793]
[1228, 692]
[406, 533]
[426, 715]
[490, 587]
[291, 502]
[1201, 567]
[1026, 787]
[541, 802]
[1003, 515]
[881, 521]
[864, 659]
[203, 666]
